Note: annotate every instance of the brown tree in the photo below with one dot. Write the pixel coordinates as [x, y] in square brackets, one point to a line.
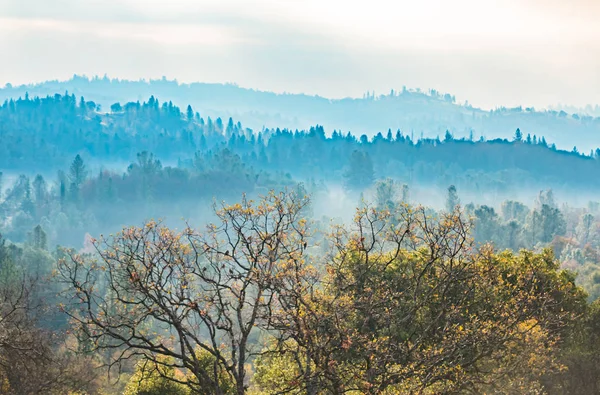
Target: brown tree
[155, 293]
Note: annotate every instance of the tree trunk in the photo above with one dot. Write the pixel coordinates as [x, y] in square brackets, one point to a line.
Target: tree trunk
[311, 385]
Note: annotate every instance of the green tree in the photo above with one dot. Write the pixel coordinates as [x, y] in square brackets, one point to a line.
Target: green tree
[147, 164]
[77, 172]
[513, 230]
[545, 198]
[551, 223]
[584, 228]
[190, 113]
[452, 200]
[31, 360]
[386, 194]
[116, 107]
[518, 135]
[153, 379]
[360, 174]
[150, 378]
[405, 194]
[277, 372]
[410, 306]
[145, 169]
[579, 355]
[40, 190]
[448, 136]
[512, 210]
[39, 240]
[486, 225]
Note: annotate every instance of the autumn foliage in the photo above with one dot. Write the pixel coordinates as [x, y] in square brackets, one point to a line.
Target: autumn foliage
[403, 302]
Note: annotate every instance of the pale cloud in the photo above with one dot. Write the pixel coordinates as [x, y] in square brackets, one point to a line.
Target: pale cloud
[532, 52]
[164, 34]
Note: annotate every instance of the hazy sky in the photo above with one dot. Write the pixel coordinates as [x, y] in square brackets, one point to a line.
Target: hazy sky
[530, 52]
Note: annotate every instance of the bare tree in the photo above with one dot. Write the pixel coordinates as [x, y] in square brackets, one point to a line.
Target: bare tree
[155, 293]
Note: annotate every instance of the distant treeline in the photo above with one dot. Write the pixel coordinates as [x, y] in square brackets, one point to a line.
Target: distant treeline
[420, 113]
[46, 133]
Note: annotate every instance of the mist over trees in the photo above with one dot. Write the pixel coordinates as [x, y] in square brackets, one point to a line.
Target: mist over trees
[61, 126]
[417, 113]
[262, 300]
[149, 248]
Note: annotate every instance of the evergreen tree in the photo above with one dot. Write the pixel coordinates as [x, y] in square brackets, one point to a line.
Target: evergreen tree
[448, 136]
[405, 194]
[190, 113]
[359, 174]
[584, 228]
[39, 238]
[77, 172]
[452, 200]
[63, 193]
[518, 135]
[39, 189]
[116, 107]
[386, 194]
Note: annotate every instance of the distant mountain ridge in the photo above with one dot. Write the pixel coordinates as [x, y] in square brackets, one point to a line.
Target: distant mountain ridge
[415, 113]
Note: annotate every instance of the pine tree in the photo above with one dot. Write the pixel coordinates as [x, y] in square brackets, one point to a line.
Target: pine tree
[190, 113]
[405, 194]
[386, 194]
[40, 239]
[518, 135]
[452, 200]
[77, 171]
[39, 189]
[448, 136]
[360, 173]
[63, 193]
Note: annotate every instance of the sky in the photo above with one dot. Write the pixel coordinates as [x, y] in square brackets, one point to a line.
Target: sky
[489, 52]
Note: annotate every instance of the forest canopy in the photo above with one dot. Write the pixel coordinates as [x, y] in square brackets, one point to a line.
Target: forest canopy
[288, 261]
[421, 113]
[57, 128]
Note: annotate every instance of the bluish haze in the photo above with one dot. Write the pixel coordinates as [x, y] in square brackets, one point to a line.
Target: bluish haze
[306, 203]
[491, 53]
[419, 114]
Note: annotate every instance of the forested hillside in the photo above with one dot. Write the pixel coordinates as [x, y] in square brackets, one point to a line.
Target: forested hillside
[46, 133]
[267, 300]
[418, 114]
[151, 249]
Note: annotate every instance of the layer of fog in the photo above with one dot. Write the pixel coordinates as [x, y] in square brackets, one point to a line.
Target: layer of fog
[415, 113]
[332, 203]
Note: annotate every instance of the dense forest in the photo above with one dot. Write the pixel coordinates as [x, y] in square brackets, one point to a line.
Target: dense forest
[417, 113]
[152, 249]
[45, 133]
